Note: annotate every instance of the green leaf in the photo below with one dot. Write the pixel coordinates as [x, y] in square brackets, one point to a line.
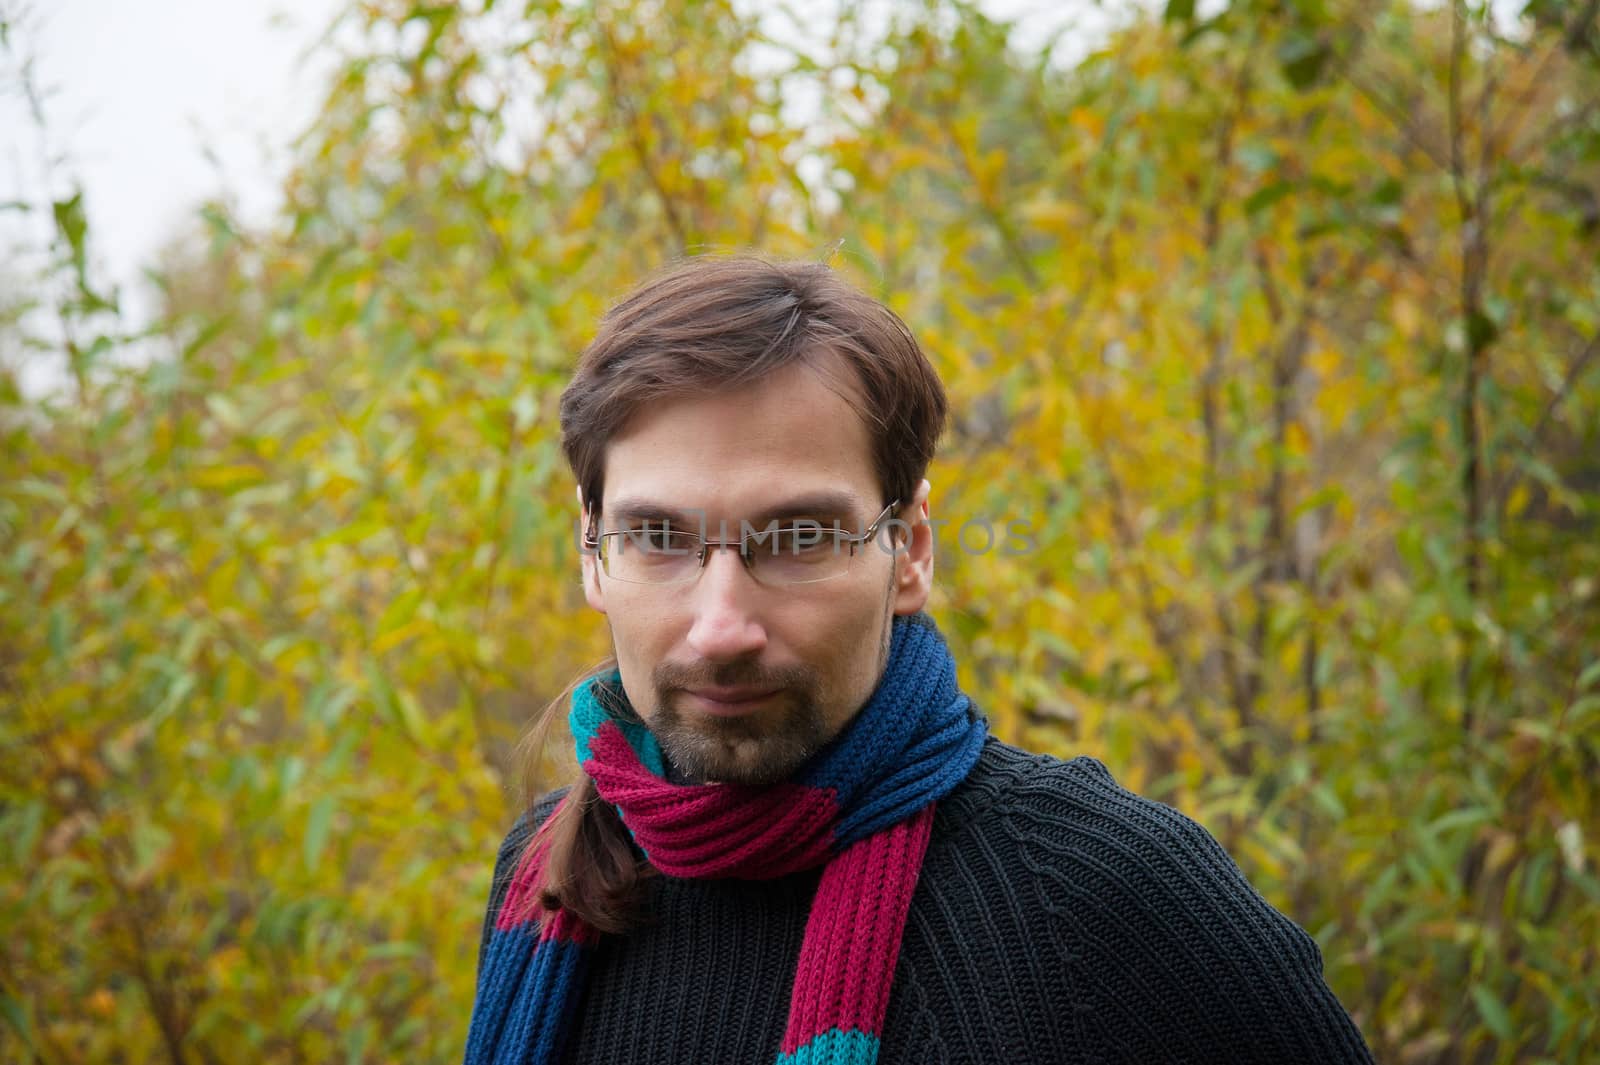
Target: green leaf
[317, 831]
[1469, 817]
[396, 949]
[1388, 193]
[1179, 11]
[328, 702]
[1302, 56]
[225, 411]
[72, 225]
[1493, 1013]
[24, 827]
[1481, 330]
[1257, 157]
[17, 1017]
[38, 489]
[1267, 195]
[57, 635]
[151, 844]
[356, 1041]
[1328, 800]
[212, 330]
[398, 707]
[179, 690]
[278, 645]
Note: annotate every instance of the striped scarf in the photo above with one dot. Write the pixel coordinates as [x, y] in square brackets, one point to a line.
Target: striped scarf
[862, 807]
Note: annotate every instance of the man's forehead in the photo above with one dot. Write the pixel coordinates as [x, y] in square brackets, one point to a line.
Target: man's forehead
[796, 416]
[788, 445]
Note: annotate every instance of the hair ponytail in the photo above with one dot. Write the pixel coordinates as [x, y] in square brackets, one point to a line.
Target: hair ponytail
[588, 864]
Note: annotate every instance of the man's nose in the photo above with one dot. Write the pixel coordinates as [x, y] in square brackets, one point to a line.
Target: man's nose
[726, 626]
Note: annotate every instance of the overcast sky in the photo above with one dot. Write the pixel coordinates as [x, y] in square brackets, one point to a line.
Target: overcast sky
[142, 90]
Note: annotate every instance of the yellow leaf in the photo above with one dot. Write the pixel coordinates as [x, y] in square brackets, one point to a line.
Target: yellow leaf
[226, 476]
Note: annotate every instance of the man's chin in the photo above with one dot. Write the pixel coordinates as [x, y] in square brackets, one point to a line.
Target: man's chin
[712, 751]
[756, 749]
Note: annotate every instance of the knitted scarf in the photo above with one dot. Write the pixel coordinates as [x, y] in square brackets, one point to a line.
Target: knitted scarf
[862, 807]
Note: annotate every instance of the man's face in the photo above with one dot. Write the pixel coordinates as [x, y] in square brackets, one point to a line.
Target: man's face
[818, 648]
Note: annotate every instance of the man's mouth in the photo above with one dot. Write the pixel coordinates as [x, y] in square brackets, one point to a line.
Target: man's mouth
[730, 702]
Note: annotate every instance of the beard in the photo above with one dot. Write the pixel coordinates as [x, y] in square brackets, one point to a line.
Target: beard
[760, 748]
[757, 749]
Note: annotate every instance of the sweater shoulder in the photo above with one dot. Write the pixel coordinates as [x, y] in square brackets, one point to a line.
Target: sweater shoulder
[527, 823]
[1072, 814]
[1006, 775]
[1102, 854]
[1145, 898]
[1077, 802]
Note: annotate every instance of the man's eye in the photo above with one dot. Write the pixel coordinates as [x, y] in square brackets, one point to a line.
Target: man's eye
[655, 535]
[800, 540]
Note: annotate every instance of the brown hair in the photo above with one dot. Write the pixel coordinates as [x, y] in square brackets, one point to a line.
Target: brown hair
[710, 325]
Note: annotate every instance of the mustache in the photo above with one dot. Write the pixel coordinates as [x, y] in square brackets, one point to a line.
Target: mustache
[669, 677]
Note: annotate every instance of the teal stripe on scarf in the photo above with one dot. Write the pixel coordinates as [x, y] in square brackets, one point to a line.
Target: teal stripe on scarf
[834, 1047]
[589, 713]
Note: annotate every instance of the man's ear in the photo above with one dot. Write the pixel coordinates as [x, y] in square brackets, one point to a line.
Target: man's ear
[589, 562]
[913, 577]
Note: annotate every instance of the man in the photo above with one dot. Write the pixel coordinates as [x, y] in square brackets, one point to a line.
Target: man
[790, 837]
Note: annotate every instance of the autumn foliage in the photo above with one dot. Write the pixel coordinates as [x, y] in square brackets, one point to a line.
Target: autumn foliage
[1279, 326]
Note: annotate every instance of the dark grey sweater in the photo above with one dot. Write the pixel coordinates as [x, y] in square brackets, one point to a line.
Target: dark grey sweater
[1058, 918]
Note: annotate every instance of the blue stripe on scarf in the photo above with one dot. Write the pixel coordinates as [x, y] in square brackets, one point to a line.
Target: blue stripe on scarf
[540, 1013]
[917, 721]
[503, 966]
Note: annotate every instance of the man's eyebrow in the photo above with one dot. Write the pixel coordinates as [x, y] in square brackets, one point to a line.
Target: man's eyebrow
[823, 504]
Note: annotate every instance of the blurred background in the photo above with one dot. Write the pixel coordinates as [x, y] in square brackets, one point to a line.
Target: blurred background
[1278, 323]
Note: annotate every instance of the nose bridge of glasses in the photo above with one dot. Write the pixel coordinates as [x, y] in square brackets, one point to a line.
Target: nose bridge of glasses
[748, 544]
[708, 581]
[738, 546]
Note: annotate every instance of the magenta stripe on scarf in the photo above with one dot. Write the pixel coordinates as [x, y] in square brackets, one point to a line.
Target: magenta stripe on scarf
[517, 908]
[520, 906]
[852, 940]
[711, 831]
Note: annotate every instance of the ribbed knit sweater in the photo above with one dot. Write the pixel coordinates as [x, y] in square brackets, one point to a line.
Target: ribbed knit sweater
[1058, 918]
